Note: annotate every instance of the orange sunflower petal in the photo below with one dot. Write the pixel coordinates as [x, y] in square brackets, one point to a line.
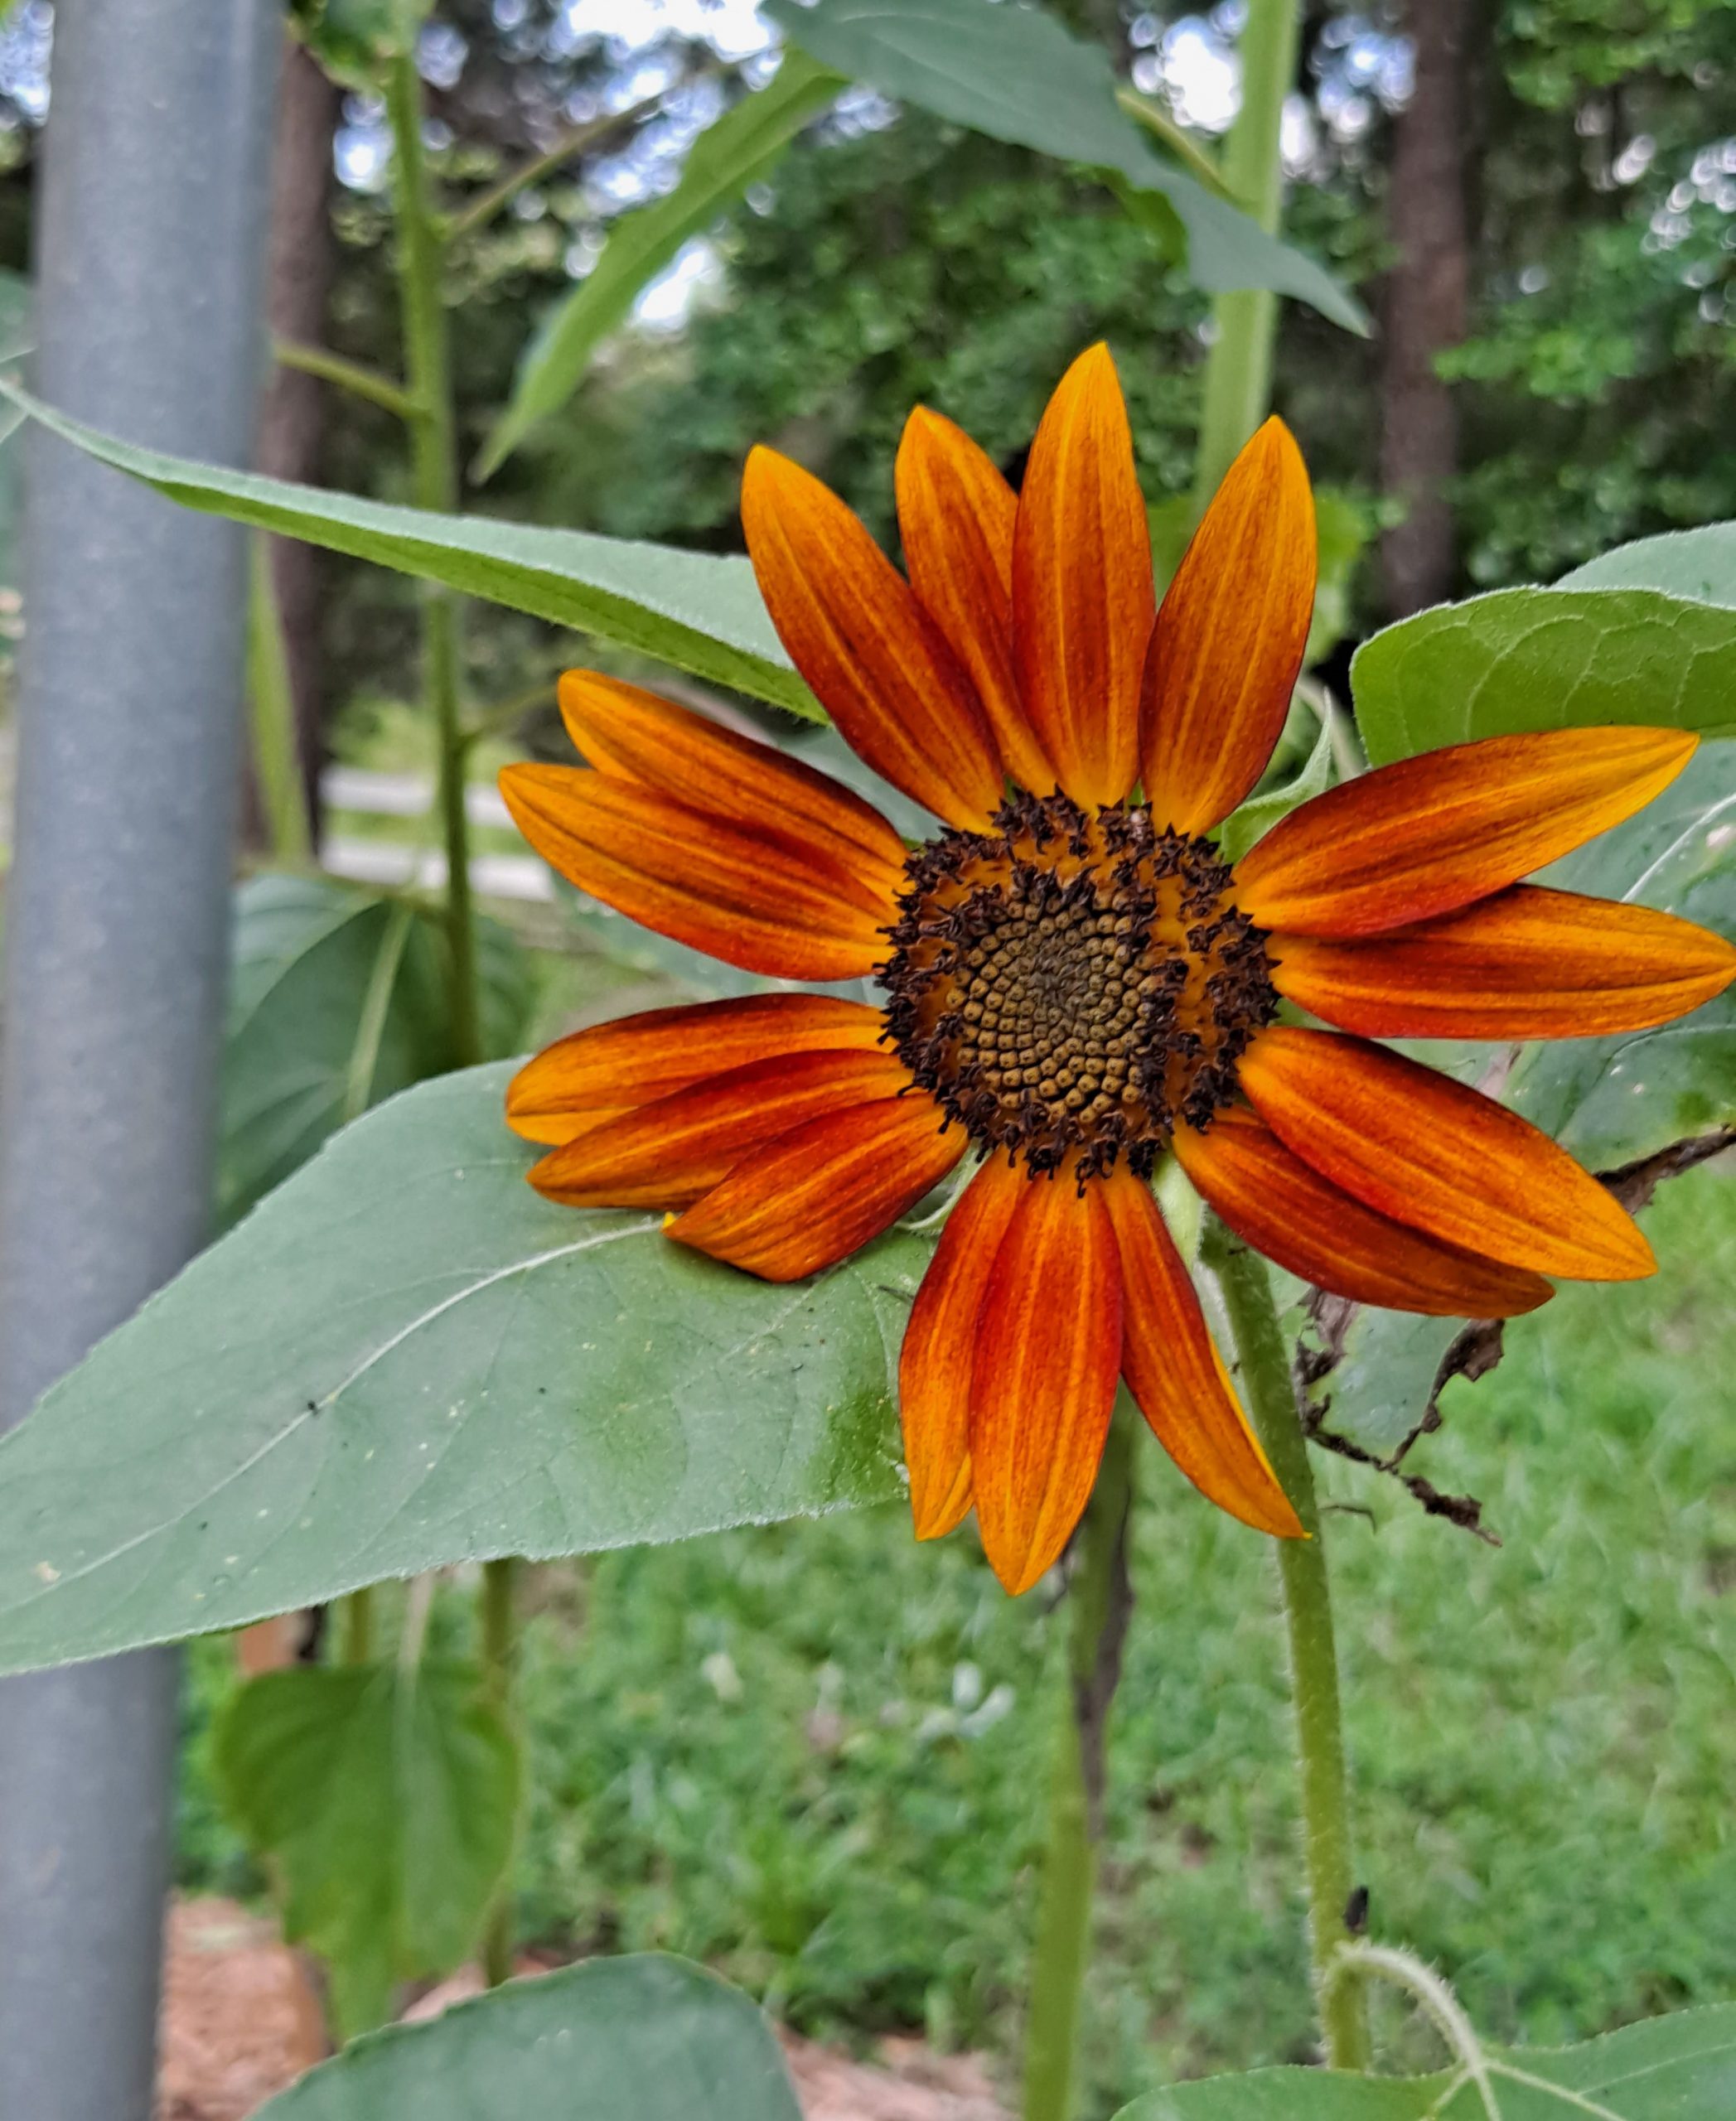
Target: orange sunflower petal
[667, 1154]
[1275, 1202]
[857, 632]
[955, 517]
[1173, 1369]
[1527, 963]
[1043, 1384]
[939, 1349]
[1228, 638]
[1083, 603]
[818, 1193]
[1444, 1159]
[701, 879]
[571, 1085]
[623, 729]
[1432, 833]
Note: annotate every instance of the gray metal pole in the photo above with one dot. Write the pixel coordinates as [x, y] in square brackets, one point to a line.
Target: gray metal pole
[150, 238]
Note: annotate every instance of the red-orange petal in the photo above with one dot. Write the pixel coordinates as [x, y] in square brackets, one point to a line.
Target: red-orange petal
[857, 632]
[1431, 1153]
[1083, 602]
[667, 1154]
[701, 879]
[939, 1349]
[1432, 833]
[1527, 963]
[818, 1193]
[1228, 638]
[1174, 1370]
[571, 1085]
[1281, 1207]
[1043, 1384]
[955, 517]
[625, 730]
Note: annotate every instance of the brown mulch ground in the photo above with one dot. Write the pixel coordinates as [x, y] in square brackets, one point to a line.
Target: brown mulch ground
[240, 2021]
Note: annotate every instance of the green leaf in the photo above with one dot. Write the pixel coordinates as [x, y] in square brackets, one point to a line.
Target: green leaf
[337, 1002]
[698, 612]
[1611, 1101]
[654, 2038]
[1680, 2068]
[1018, 75]
[740, 149]
[388, 1801]
[1614, 1100]
[1699, 565]
[1545, 659]
[1258, 815]
[302, 1051]
[353, 39]
[404, 1358]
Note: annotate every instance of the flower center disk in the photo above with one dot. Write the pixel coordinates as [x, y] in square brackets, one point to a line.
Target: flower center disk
[1070, 988]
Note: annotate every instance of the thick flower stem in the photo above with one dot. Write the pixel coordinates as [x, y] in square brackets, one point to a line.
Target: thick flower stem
[1101, 1598]
[1270, 1396]
[434, 459]
[1239, 370]
[499, 1670]
[433, 437]
[356, 1639]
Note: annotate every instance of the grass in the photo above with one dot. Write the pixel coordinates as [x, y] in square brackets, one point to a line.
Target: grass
[815, 1755]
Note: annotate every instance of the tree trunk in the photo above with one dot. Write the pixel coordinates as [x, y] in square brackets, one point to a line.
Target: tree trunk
[1425, 308]
[292, 421]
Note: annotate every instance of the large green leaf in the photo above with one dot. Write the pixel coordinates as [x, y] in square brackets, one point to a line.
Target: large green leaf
[1680, 2068]
[334, 1001]
[697, 612]
[1017, 75]
[1645, 634]
[337, 1001]
[1545, 659]
[1698, 564]
[388, 1801]
[653, 2038]
[405, 1357]
[736, 151]
[1612, 1101]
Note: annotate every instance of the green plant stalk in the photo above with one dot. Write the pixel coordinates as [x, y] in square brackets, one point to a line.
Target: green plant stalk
[434, 464]
[1238, 385]
[276, 769]
[1097, 1620]
[355, 1645]
[433, 435]
[353, 376]
[1270, 1396]
[483, 209]
[1237, 395]
[499, 1673]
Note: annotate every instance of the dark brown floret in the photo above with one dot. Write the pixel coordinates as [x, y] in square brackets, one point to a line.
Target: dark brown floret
[1070, 988]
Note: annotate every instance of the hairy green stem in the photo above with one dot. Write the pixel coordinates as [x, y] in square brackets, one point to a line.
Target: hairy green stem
[434, 462]
[360, 380]
[355, 1643]
[1100, 1598]
[483, 207]
[277, 770]
[500, 1672]
[1270, 1396]
[434, 451]
[1238, 371]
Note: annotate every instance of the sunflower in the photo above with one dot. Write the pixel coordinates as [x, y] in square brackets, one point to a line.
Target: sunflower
[1075, 982]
